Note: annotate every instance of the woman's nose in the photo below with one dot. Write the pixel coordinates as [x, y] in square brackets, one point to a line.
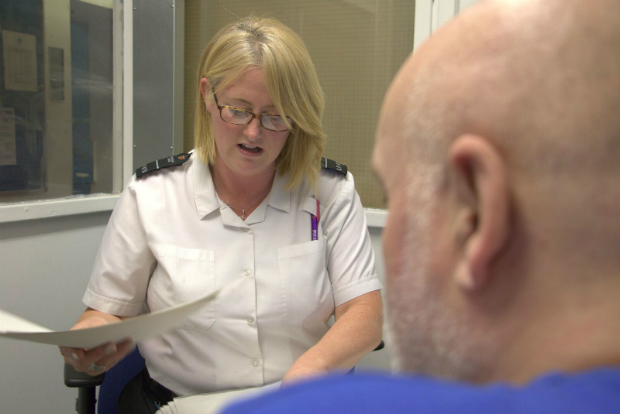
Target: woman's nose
[253, 129]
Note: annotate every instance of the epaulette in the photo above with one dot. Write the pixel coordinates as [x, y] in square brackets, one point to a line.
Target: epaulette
[328, 164]
[163, 163]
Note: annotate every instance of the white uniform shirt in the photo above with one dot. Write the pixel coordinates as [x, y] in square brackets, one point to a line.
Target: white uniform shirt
[171, 240]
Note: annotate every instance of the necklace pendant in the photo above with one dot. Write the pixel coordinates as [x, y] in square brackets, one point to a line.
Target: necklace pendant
[243, 215]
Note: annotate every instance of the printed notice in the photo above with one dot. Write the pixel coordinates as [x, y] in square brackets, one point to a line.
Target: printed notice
[20, 61]
[8, 151]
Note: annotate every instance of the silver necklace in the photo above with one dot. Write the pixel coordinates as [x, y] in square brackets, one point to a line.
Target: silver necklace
[242, 210]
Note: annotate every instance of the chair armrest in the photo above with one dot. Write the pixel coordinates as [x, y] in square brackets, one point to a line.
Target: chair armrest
[76, 379]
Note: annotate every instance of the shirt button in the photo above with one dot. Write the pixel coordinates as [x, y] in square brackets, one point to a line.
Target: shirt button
[255, 362]
[250, 320]
[247, 272]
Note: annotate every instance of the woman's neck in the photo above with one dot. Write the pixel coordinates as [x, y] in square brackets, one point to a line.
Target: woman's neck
[241, 192]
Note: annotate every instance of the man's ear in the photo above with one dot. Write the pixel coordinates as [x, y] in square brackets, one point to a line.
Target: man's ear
[205, 90]
[482, 205]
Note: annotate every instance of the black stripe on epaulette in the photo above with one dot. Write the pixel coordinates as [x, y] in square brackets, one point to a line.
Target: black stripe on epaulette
[328, 164]
[163, 163]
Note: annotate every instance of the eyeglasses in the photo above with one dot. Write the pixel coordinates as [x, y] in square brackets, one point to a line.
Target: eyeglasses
[238, 116]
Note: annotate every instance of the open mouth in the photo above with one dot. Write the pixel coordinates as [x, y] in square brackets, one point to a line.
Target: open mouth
[254, 150]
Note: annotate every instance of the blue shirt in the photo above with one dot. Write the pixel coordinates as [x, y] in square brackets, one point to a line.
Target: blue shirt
[590, 392]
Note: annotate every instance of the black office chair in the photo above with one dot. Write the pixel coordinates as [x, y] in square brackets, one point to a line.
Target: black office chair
[110, 385]
[115, 380]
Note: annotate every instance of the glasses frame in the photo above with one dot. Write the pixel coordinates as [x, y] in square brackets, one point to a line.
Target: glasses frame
[260, 117]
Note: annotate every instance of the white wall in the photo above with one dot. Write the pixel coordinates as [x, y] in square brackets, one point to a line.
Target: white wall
[44, 268]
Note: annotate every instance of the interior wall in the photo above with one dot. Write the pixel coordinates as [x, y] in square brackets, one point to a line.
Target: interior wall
[44, 269]
[356, 46]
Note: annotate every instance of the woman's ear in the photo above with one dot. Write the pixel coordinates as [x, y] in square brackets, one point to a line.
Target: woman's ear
[205, 90]
[482, 206]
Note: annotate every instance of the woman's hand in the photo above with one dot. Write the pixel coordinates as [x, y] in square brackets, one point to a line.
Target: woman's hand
[356, 332]
[97, 360]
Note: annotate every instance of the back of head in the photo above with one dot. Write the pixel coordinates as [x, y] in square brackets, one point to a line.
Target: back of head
[530, 73]
[290, 78]
[538, 83]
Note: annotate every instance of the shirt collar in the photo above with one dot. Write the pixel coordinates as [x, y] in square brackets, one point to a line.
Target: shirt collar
[206, 198]
[204, 191]
[278, 197]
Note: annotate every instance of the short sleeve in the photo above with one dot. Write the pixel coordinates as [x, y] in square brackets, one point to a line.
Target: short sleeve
[350, 257]
[123, 263]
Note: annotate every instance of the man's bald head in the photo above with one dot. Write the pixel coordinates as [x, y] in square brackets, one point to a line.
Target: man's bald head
[507, 125]
[540, 78]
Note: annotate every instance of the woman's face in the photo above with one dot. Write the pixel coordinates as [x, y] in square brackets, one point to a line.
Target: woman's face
[249, 150]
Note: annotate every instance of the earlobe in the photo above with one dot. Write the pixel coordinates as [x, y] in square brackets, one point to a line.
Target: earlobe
[464, 277]
[481, 193]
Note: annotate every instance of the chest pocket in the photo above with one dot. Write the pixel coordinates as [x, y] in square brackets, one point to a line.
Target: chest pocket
[183, 275]
[306, 293]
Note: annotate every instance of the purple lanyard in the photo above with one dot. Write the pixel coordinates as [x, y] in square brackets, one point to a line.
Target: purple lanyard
[314, 220]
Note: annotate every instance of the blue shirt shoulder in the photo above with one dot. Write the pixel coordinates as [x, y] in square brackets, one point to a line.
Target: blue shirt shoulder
[594, 392]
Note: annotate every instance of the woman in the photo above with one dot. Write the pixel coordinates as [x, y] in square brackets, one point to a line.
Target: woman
[251, 202]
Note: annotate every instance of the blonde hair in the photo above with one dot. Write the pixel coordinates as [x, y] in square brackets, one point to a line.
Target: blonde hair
[291, 81]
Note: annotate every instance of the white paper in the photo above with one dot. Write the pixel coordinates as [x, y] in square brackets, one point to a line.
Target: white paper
[8, 144]
[137, 328]
[20, 61]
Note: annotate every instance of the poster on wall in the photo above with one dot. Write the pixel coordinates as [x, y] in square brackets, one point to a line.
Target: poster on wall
[8, 150]
[20, 61]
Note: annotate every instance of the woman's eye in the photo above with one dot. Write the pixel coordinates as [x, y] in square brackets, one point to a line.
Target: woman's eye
[237, 113]
[277, 120]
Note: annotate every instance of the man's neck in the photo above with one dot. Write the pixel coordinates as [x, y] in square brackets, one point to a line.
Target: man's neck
[568, 341]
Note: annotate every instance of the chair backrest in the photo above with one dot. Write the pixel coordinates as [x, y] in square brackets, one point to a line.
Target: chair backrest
[115, 380]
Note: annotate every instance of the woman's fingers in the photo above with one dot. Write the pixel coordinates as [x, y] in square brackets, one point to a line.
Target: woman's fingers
[87, 360]
[82, 359]
[72, 355]
[121, 351]
[97, 360]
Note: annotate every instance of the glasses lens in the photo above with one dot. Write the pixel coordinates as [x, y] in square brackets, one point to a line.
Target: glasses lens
[274, 123]
[235, 116]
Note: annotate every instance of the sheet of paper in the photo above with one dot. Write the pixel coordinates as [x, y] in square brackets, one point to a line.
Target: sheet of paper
[140, 327]
[20, 61]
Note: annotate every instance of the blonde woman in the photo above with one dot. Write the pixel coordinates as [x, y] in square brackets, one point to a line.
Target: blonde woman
[254, 202]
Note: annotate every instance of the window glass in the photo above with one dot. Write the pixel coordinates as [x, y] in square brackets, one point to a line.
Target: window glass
[356, 45]
[56, 123]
